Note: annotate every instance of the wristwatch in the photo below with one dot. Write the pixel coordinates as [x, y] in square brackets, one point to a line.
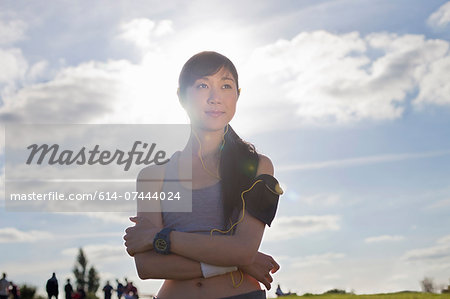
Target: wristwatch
[161, 242]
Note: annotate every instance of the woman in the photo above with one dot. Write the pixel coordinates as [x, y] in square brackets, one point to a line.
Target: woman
[213, 251]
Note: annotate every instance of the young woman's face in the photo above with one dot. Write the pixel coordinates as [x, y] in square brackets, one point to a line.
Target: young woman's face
[211, 101]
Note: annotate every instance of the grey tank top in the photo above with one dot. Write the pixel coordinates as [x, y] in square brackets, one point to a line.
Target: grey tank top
[207, 207]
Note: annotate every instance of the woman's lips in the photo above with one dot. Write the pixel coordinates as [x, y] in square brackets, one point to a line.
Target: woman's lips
[214, 113]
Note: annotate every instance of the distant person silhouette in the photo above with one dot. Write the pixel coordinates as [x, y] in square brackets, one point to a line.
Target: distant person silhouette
[52, 287]
[107, 289]
[68, 289]
[280, 293]
[120, 289]
[4, 285]
[14, 290]
[131, 291]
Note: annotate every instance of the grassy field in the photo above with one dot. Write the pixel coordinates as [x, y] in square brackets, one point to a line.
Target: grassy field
[401, 295]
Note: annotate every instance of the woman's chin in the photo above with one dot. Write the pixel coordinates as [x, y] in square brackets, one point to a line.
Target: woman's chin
[209, 127]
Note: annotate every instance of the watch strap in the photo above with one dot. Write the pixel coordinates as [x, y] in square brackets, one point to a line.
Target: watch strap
[161, 242]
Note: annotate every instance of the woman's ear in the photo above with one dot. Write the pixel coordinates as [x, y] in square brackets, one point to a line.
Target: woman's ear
[239, 92]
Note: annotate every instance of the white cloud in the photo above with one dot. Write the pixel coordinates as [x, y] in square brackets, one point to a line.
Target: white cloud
[321, 78]
[317, 259]
[434, 88]
[142, 32]
[445, 240]
[36, 267]
[399, 277]
[14, 65]
[100, 253]
[284, 228]
[440, 204]
[439, 253]
[164, 27]
[362, 161]
[110, 217]
[324, 271]
[98, 92]
[441, 17]
[323, 199]
[302, 78]
[76, 95]
[384, 238]
[122, 218]
[36, 70]
[13, 235]
[116, 235]
[2, 176]
[12, 31]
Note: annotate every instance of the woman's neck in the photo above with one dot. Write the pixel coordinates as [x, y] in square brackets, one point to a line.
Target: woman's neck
[208, 141]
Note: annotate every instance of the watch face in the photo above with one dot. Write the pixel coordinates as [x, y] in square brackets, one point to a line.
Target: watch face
[161, 244]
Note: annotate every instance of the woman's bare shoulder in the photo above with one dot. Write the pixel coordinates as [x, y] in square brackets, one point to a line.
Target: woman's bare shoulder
[265, 165]
[150, 179]
[152, 173]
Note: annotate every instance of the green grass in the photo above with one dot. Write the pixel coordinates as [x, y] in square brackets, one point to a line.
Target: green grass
[401, 295]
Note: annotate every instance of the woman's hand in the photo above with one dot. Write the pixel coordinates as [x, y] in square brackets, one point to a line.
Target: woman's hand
[139, 238]
[262, 267]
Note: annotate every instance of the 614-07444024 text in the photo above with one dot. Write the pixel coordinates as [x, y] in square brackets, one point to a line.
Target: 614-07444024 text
[97, 195]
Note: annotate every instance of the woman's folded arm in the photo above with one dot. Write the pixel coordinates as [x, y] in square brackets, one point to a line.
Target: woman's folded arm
[151, 265]
[238, 249]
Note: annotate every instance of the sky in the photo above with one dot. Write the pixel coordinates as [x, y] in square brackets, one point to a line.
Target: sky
[349, 99]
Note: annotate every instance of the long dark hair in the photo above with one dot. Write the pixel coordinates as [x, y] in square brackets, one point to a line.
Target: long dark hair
[239, 159]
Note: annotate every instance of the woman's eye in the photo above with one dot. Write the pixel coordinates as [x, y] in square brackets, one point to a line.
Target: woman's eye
[202, 85]
[227, 86]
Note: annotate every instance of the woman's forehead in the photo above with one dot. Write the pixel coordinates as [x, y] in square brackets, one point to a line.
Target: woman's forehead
[223, 74]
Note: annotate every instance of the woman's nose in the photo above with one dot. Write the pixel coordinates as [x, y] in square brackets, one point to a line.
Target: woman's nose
[214, 96]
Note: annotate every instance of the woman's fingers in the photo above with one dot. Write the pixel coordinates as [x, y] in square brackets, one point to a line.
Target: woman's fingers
[276, 267]
[130, 252]
[134, 240]
[128, 232]
[267, 281]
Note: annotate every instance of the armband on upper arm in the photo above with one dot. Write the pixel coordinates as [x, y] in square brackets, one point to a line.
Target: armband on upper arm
[261, 201]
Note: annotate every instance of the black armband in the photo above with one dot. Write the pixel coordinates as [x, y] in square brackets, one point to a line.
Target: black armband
[261, 201]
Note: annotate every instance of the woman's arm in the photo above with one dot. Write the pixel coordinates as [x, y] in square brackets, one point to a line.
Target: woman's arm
[239, 249]
[149, 264]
